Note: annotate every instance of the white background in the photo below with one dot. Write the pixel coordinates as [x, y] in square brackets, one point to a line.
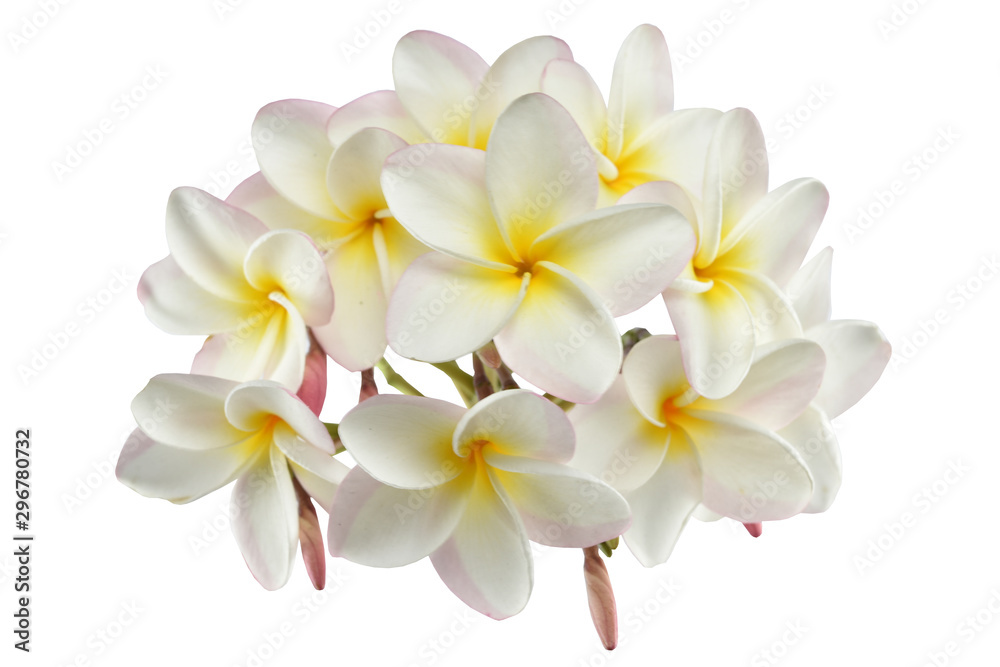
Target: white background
[105, 555]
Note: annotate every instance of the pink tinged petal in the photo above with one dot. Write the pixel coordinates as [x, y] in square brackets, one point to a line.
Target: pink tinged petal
[434, 77]
[258, 198]
[438, 193]
[313, 389]
[654, 376]
[319, 489]
[517, 72]
[178, 305]
[378, 525]
[180, 475]
[562, 338]
[755, 529]
[517, 423]
[614, 442]
[288, 262]
[540, 170]
[773, 313]
[404, 441]
[626, 254]
[783, 379]
[774, 236]
[355, 336]
[813, 438]
[748, 473]
[266, 519]
[381, 109]
[311, 539]
[662, 506]
[716, 332]
[642, 87]
[353, 175]
[559, 506]
[569, 84]
[486, 561]
[293, 152]
[444, 308]
[600, 597]
[253, 405]
[209, 239]
[809, 289]
[857, 352]
[186, 411]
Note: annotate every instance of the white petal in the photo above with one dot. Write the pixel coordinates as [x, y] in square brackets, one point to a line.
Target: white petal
[662, 506]
[569, 84]
[809, 289]
[518, 423]
[353, 175]
[257, 197]
[381, 526]
[293, 152]
[252, 405]
[287, 261]
[539, 169]
[404, 441]
[642, 87]
[748, 473]
[773, 313]
[433, 74]
[486, 562]
[562, 338]
[444, 308]
[813, 438]
[380, 109]
[663, 192]
[626, 254]
[266, 519]
[186, 411]
[654, 375]
[178, 305]
[856, 354]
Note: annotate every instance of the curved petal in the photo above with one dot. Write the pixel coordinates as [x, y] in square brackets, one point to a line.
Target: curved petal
[317, 460]
[353, 175]
[265, 523]
[642, 87]
[400, 250]
[809, 289]
[562, 338]
[178, 305]
[774, 236]
[434, 75]
[539, 170]
[716, 332]
[517, 72]
[486, 561]
[208, 239]
[443, 307]
[252, 406]
[813, 438]
[438, 193]
[287, 261]
[559, 506]
[653, 373]
[614, 442]
[381, 526]
[259, 198]
[662, 506]
[569, 84]
[748, 474]
[773, 313]
[663, 192]
[626, 254]
[517, 423]
[180, 475]
[404, 441]
[857, 352]
[186, 411]
[381, 109]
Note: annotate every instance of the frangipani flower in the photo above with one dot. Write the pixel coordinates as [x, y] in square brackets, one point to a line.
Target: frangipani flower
[197, 434]
[636, 137]
[524, 259]
[667, 449]
[729, 300]
[254, 291]
[469, 489]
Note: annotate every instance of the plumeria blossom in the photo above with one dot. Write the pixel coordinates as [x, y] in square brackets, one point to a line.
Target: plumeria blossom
[729, 299]
[524, 259]
[469, 489]
[667, 449]
[637, 137]
[198, 433]
[254, 291]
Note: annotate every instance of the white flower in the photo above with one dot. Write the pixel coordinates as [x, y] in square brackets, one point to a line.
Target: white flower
[667, 449]
[254, 291]
[524, 259]
[197, 434]
[469, 489]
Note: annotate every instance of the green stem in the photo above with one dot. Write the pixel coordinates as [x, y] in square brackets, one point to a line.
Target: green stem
[461, 380]
[334, 431]
[396, 380]
[562, 403]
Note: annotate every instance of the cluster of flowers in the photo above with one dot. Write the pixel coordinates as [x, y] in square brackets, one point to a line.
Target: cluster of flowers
[509, 213]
